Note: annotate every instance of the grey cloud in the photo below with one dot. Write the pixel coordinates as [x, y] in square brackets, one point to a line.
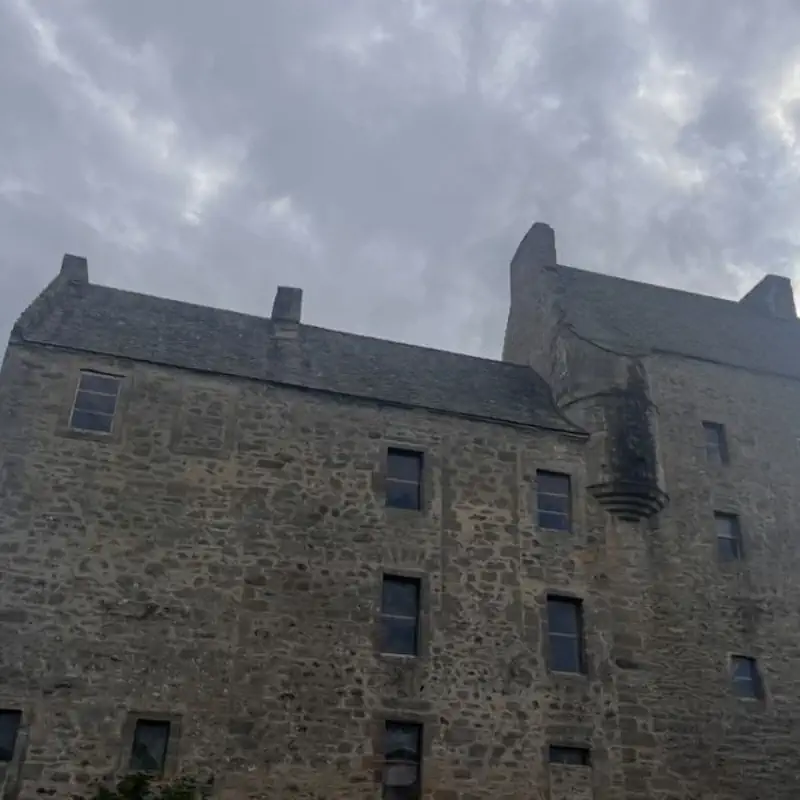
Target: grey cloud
[388, 156]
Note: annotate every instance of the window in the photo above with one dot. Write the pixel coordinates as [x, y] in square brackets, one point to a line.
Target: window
[9, 727]
[553, 500]
[729, 537]
[746, 677]
[574, 756]
[404, 479]
[716, 443]
[400, 615]
[149, 750]
[402, 761]
[95, 403]
[565, 630]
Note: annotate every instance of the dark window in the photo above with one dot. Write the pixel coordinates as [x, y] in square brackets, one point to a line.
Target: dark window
[400, 615]
[553, 500]
[574, 756]
[716, 443]
[402, 760]
[95, 403]
[404, 479]
[9, 727]
[565, 631]
[729, 537]
[746, 677]
[149, 751]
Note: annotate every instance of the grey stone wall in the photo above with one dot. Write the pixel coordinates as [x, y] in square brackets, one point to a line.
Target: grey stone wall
[703, 610]
[217, 561]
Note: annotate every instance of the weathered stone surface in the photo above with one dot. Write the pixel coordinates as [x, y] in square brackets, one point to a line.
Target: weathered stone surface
[237, 586]
[217, 561]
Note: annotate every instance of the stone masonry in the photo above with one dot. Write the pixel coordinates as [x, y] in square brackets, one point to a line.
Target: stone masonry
[216, 560]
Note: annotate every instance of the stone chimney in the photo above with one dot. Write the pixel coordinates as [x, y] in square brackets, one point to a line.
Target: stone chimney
[288, 305]
[772, 296]
[538, 246]
[74, 269]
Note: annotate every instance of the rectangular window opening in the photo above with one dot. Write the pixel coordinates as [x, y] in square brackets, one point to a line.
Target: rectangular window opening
[10, 721]
[553, 500]
[149, 748]
[716, 443]
[729, 536]
[400, 602]
[95, 402]
[402, 751]
[746, 677]
[565, 634]
[573, 756]
[404, 479]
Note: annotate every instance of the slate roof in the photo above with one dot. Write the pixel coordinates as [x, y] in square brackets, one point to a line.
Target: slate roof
[642, 318]
[145, 328]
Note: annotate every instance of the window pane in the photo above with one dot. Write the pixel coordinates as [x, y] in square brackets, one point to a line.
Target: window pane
[564, 654]
[400, 596]
[553, 521]
[746, 687]
[554, 502]
[87, 421]
[577, 756]
[400, 774]
[9, 726]
[743, 667]
[102, 403]
[552, 483]
[402, 495]
[399, 635]
[726, 525]
[149, 746]
[746, 678]
[402, 741]
[405, 465]
[104, 384]
[728, 549]
[716, 445]
[562, 616]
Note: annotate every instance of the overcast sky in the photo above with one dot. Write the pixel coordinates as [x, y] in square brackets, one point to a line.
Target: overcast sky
[388, 155]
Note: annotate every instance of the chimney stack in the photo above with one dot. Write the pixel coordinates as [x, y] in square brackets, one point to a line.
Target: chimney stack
[75, 269]
[538, 246]
[773, 297]
[288, 305]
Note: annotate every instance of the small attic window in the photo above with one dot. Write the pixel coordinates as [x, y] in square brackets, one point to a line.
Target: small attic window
[716, 442]
[95, 402]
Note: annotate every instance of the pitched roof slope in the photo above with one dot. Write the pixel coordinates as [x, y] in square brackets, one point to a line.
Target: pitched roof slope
[145, 328]
[642, 318]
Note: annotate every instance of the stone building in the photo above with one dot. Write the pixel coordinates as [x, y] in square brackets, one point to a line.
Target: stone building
[320, 565]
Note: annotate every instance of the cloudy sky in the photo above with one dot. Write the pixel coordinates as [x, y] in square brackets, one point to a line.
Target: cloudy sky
[388, 155]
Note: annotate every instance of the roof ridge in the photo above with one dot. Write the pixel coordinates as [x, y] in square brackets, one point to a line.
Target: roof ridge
[673, 290]
[334, 331]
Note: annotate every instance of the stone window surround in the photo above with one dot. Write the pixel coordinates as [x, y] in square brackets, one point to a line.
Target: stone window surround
[583, 748]
[586, 672]
[10, 704]
[724, 512]
[80, 388]
[426, 485]
[63, 425]
[429, 723]
[173, 743]
[570, 467]
[423, 630]
[760, 695]
[724, 444]
[570, 514]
